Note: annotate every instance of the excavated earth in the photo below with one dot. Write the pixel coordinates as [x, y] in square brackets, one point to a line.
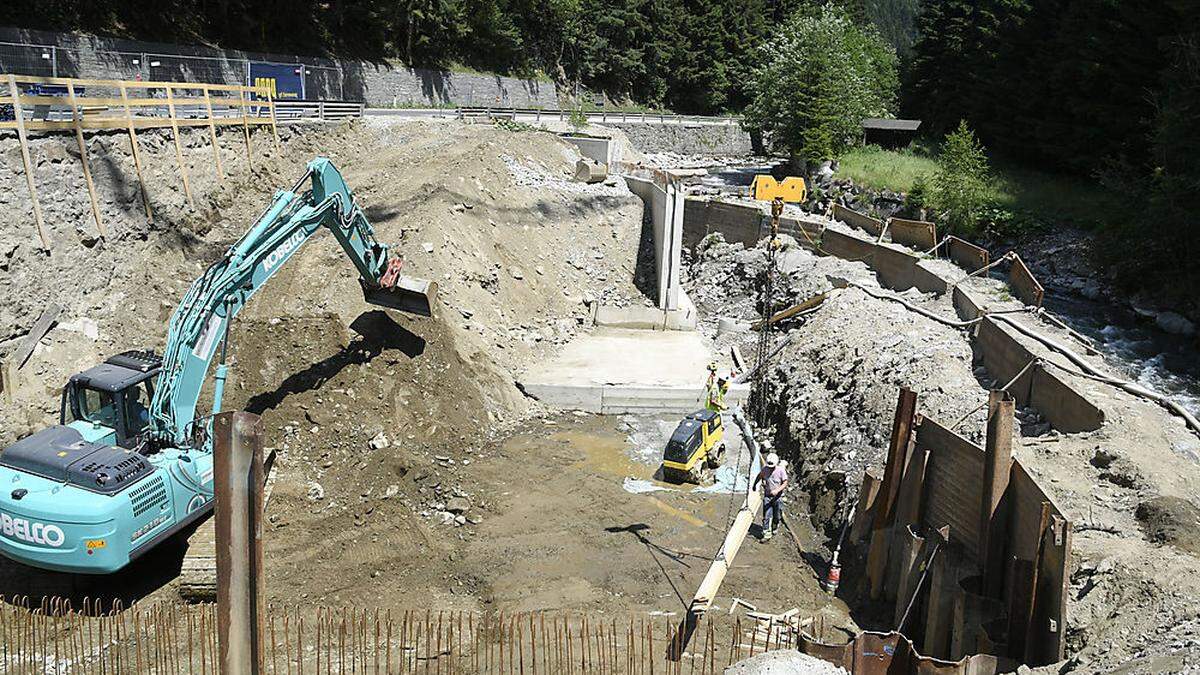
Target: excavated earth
[1129, 488]
[411, 471]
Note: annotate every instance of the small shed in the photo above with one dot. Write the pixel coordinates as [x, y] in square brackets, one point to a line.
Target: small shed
[889, 133]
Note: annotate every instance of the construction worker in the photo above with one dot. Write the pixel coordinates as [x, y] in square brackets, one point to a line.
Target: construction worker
[774, 479]
[716, 396]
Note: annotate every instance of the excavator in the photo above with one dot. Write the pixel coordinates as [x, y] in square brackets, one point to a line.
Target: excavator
[130, 463]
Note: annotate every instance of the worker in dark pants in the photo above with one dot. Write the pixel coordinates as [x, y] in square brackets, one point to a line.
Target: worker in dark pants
[774, 479]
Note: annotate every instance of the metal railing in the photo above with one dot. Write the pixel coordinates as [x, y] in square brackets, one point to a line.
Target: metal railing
[542, 114]
[327, 111]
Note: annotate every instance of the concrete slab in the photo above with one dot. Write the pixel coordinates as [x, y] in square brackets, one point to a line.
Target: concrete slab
[618, 370]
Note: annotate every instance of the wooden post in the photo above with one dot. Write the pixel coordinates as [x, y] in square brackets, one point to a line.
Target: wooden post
[137, 155]
[187, 186]
[83, 157]
[238, 478]
[15, 94]
[274, 129]
[997, 465]
[245, 125]
[212, 135]
[902, 426]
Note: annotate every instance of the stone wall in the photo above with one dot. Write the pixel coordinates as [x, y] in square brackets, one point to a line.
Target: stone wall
[686, 139]
[90, 56]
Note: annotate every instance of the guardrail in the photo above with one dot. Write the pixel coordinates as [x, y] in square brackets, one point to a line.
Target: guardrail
[545, 114]
[616, 117]
[327, 111]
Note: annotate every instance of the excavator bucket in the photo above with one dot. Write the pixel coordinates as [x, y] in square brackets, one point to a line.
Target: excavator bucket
[407, 294]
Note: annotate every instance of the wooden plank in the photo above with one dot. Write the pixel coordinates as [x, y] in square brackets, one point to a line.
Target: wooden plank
[792, 311]
[8, 381]
[35, 335]
[137, 159]
[1031, 632]
[997, 467]
[19, 119]
[902, 427]
[131, 84]
[187, 186]
[83, 157]
[212, 135]
[274, 128]
[246, 133]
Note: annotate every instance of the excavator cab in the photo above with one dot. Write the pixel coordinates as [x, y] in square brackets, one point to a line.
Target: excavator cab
[109, 403]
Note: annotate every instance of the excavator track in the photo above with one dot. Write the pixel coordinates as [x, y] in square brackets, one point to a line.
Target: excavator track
[198, 575]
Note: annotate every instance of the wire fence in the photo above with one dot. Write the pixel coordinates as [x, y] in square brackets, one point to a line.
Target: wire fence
[316, 81]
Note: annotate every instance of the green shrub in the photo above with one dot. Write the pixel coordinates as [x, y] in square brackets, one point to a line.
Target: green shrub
[960, 186]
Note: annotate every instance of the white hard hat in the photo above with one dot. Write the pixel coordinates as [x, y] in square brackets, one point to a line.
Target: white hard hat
[772, 460]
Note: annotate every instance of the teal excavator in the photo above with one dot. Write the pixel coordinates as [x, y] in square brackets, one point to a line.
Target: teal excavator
[130, 463]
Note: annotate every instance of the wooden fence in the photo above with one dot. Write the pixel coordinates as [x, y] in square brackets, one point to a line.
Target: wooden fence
[33, 104]
[53, 637]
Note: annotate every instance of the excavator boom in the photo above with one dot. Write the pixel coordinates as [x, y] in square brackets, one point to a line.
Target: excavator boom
[116, 477]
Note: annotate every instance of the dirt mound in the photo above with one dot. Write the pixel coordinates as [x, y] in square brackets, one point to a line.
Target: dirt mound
[1171, 520]
[782, 662]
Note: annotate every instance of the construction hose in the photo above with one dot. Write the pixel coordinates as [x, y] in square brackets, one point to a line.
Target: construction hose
[1088, 371]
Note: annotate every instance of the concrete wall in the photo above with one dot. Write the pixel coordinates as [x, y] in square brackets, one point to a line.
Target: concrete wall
[600, 150]
[897, 270]
[666, 205]
[688, 139]
[737, 222]
[1004, 353]
[853, 218]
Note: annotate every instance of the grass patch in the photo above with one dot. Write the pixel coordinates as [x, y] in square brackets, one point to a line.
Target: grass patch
[885, 169]
[1052, 197]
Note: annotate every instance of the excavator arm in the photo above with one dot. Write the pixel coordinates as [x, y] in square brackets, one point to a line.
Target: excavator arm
[201, 322]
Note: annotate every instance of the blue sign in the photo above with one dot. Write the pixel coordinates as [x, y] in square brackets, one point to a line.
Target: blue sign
[285, 80]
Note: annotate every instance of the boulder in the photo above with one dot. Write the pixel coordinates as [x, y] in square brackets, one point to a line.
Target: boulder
[1175, 323]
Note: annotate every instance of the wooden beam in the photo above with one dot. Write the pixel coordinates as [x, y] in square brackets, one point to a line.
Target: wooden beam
[997, 467]
[35, 335]
[83, 157]
[902, 426]
[245, 129]
[212, 135]
[187, 187]
[19, 116]
[792, 311]
[137, 158]
[274, 129]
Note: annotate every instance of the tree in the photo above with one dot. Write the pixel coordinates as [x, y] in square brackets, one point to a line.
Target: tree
[960, 185]
[818, 79]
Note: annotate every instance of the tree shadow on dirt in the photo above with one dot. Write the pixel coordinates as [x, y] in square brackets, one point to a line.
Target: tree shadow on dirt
[378, 332]
[657, 553]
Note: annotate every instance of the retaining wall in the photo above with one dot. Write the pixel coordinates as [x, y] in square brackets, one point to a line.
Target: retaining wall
[896, 269]
[377, 84]
[687, 139]
[738, 223]
[666, 205]
[1020, 614]
[1005, 353]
